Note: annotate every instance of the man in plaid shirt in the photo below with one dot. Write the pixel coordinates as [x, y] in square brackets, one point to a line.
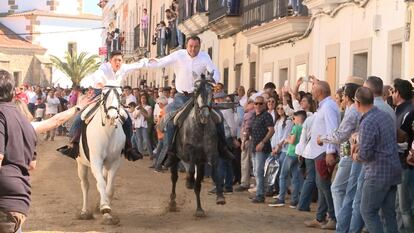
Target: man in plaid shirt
[379, 154]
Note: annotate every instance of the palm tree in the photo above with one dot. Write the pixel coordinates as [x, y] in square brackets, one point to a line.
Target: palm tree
[76, 67]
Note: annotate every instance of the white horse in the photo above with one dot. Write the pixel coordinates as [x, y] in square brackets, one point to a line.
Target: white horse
[105, 139]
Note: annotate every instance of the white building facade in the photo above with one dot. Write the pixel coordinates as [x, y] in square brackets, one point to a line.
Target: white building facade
[57, 25]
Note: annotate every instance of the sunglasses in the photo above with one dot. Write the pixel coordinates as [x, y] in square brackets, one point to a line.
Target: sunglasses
[258, 103]
[271, 101]
[279, 108]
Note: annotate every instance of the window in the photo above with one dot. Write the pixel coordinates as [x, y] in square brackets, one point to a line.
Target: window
[210, 52]
[238, 70]
[72, 48]
[360, 64]
[17, 75]
[226, 78]
[396, 61]
[283, 76]
[252, 76]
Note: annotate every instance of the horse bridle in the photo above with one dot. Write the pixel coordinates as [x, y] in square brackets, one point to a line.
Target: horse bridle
[207, 82]
[106, 95]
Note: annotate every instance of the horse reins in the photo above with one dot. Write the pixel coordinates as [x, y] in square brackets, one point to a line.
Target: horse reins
[105, 98]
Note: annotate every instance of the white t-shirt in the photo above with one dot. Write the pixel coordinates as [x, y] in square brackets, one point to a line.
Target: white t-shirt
[52, 105]
[140, 121]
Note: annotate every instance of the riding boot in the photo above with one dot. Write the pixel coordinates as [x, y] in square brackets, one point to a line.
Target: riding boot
[72, 151]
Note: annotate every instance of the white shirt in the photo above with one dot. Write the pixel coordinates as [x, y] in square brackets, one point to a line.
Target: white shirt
[243, 100]
[170, 100]
[129, 99]
[305, 136]
[106, 73]
[281, 133]
[326, 120]
[184, 66]
[52, 105]
[31, 95]
[228, 116]
[140, 121]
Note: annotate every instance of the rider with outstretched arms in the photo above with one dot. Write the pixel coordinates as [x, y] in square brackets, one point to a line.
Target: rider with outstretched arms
[185, 62]
[113, 70]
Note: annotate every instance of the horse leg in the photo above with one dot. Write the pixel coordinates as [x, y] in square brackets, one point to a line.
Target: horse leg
[197, 189]
[97, 170]
[109, 175]
[83, 176]
[174, 178]
[110, 179]
[190, 177]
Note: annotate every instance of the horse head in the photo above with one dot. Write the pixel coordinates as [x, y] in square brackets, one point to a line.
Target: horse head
[111, 102]
[203, 97]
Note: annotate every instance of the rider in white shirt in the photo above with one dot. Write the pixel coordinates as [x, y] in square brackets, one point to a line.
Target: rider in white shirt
[114, 70]
[186, 63]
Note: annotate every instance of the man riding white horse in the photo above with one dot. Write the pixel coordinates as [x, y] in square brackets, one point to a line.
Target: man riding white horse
[113, 70]
[186, 63]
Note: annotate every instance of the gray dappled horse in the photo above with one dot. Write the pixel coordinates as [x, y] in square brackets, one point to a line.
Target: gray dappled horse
[196, 142]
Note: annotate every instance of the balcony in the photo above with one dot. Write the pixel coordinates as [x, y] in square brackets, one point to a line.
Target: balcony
[225, 17]
[258, 12]
[193, 16]
[316, 6]
[277, 30]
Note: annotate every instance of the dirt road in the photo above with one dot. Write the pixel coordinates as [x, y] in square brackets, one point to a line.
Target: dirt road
[141, 198]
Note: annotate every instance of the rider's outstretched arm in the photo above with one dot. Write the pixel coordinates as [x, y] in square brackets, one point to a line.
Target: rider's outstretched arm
[164, 61]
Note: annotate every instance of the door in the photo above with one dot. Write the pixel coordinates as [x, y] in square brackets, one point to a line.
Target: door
[331, 73]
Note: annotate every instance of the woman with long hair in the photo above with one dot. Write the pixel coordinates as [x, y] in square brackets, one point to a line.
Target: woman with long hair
[283, 127]
[271, 107]
[142, 113]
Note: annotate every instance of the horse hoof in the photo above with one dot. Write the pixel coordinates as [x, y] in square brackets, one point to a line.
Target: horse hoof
[109, 220]
[200, 213]
[220, 200]
[105, 209]
[85, 216]
[172, 207]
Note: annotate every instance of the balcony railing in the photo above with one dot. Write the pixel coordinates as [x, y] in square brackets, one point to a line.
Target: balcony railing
[220, 8]
[188, 8]
[256, 12]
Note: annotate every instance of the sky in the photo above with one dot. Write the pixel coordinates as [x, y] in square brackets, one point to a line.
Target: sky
[91, 7]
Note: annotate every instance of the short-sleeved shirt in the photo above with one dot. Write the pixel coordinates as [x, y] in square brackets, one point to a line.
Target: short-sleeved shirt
[18, 151]
[260, 124]
[297, 131]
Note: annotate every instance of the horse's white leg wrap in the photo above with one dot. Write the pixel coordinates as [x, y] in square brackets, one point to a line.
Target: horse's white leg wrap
[83, 176]
[100, 182]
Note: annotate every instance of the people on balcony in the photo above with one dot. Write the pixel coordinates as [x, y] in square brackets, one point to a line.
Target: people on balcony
[144, 26]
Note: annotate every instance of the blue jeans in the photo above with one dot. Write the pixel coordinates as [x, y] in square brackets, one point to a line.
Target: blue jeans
[357, 223]
[340, 183]
[309, 185]
[161, 153]
[223, 175]
[178, 102]
[290, 165]
[259, 162]
[143, 141]
[325, 203]
[345, 212]
[405, 200]
[376, 197]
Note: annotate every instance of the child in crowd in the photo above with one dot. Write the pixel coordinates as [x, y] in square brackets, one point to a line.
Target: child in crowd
[291, 164]
[40, 108]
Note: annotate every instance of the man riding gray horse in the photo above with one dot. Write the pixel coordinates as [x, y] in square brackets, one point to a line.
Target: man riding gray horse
[188, 64]
[113, 70]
